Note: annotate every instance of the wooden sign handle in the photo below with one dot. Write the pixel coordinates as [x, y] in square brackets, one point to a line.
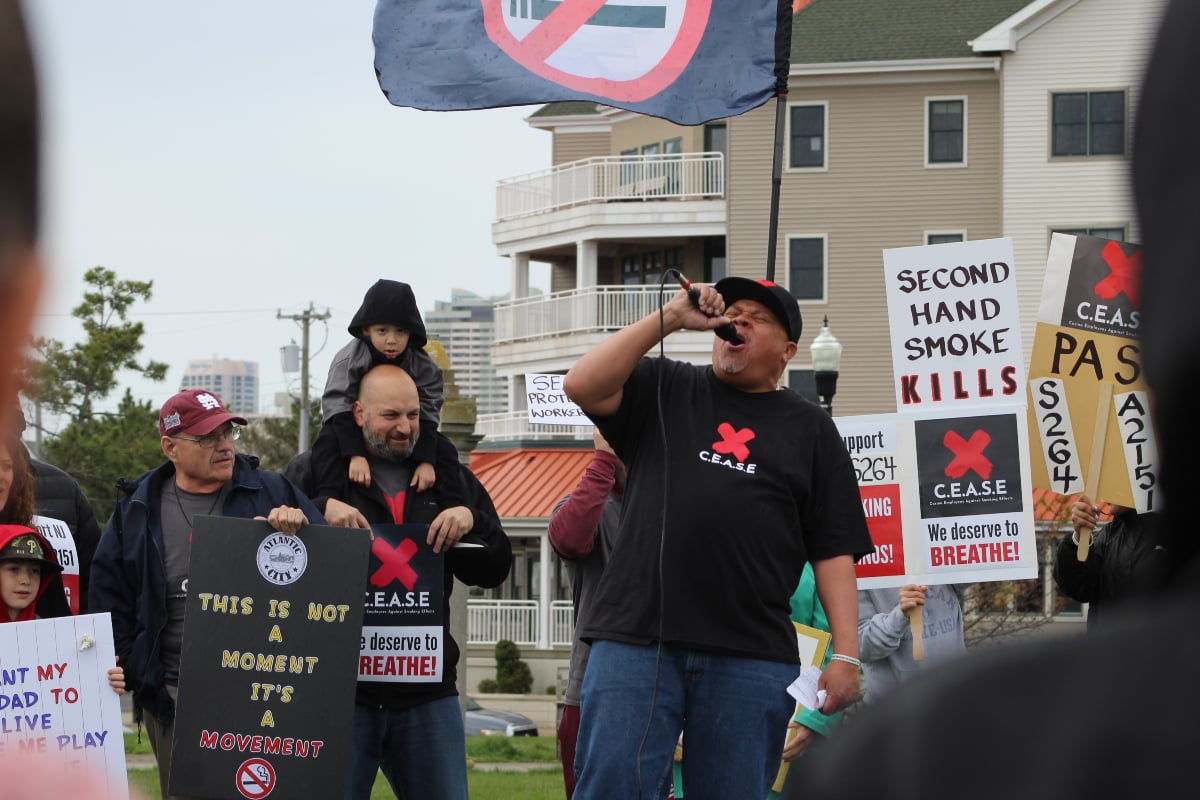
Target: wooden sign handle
[916, 621]
[1092, 484]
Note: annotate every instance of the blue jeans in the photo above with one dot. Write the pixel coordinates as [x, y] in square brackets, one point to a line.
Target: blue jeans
[422, 752]
[733, 713]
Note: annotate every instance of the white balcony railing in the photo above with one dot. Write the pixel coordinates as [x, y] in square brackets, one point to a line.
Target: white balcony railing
[562, 622]
[489, 621]
[596, 308]
[604, 179]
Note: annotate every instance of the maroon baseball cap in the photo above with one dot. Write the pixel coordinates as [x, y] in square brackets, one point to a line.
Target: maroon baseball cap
[778, 300]
[198, 412]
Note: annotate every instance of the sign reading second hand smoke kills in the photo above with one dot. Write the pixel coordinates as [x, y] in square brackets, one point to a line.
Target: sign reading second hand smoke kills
[267, 669]
[955, 324]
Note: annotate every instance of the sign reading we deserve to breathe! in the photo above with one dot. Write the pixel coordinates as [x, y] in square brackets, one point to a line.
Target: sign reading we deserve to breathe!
[946, 497]
[955, 326]
[55, 701]
[268, 665]
[1086, 385]
[405, 611]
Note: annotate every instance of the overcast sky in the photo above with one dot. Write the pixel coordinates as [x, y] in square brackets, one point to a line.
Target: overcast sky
[241, 156]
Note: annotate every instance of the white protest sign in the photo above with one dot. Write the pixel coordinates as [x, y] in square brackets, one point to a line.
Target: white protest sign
[549, 404]
[58, 534]
[955, 326]
[55, 700]
[947, 497]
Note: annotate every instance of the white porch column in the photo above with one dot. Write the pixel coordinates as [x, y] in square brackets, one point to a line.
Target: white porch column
[520, 275]
[546, 593]
[586, 256]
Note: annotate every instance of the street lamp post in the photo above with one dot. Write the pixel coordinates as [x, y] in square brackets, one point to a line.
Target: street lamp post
[826, 360]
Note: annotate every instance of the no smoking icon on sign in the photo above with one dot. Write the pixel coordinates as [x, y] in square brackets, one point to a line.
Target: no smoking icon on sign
[625, 50]
[255, 778]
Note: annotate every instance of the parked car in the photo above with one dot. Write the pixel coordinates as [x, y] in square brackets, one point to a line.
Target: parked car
[482, 721]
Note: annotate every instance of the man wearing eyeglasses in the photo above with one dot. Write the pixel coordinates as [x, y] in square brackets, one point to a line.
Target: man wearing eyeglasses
[140, 572]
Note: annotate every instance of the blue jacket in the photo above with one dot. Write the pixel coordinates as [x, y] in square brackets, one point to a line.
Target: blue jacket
[129, 576]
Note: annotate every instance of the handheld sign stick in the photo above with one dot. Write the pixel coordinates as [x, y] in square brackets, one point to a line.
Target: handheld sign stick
[1092, 487]
[916, 621]
[727, 331]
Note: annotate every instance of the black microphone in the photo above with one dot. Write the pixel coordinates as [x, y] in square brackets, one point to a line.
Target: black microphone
[728, 331]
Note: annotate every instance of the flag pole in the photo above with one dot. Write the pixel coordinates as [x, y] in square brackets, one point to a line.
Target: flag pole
[783, 54]
[776, 180]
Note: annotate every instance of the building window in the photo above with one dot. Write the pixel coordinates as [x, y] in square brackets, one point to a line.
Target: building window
[806, 267]
[944, 238]
[1102, 233]
[806, 137]
[1088, 124]
[947, 127]
[646, 269]
[629, 166]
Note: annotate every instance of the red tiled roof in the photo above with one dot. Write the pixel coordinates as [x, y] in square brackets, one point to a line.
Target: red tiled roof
[529, 482]
[1049, 506]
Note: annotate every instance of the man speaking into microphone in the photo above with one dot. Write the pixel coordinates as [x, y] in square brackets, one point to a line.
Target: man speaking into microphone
[745, 483]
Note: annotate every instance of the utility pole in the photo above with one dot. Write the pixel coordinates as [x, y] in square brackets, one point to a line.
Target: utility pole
[305, 318]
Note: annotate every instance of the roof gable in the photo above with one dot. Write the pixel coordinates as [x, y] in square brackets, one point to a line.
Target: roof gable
[834, 31]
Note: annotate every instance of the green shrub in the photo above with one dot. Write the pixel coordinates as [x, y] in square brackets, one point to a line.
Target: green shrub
[512, 674]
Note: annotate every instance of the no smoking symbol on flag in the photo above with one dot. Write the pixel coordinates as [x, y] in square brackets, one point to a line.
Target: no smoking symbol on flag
[625, 50]
[255, 778]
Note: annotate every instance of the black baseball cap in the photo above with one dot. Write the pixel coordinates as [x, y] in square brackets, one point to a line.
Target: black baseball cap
[776, 298]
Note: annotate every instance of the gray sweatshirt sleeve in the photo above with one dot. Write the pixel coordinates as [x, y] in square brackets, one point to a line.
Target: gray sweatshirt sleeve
[341, 387]
[427, 375]
[881, 623]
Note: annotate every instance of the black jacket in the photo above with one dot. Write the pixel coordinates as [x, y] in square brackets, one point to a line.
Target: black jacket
[487, 567]
[129, 577]
[1128, 558]
[58, 496]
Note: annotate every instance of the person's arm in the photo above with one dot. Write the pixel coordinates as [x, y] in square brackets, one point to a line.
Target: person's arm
[837, 589]
[880, 630]
[573, 522]
[341, 384]
[1077, 579]
[112, 590]
[810, 723]
[427, 375]
[489, 566]
[596, 381]
[449, 489]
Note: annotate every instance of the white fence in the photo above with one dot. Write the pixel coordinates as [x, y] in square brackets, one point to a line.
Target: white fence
[489, 621]
[605, 179]
[595, 308]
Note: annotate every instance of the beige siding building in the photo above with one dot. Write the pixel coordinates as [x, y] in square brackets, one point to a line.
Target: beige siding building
[907, 123]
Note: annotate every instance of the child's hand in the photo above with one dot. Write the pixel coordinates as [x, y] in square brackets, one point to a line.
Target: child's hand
[116, 679]
[423, 476]
[359, 471]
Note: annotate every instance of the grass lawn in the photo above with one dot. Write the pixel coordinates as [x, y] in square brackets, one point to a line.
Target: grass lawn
[541, 784]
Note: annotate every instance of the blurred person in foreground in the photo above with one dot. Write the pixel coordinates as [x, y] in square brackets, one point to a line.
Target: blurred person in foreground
[27, 777]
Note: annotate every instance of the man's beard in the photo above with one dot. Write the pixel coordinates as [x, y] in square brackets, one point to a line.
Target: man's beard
[731, 364]
[380, 446]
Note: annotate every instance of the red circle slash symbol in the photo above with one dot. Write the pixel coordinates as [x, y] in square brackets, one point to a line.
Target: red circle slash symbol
[255, 778]
[623, 50]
